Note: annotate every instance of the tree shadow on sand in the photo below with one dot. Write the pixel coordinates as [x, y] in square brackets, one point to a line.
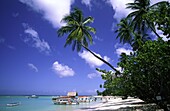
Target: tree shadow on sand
[141, 107]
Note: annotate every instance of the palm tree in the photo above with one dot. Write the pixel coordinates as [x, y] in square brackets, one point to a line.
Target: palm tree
[161, 18]
[139, 15]
[79, 33]
[133, 28]
[141, 7]
[125, 33]
[139, 40]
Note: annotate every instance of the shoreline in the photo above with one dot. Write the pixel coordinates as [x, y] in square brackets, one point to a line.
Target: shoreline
[117, 104]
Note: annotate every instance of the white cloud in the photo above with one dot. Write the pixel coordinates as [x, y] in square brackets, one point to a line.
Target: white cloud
[33, 67]
[160, 33]
[126, 45]
[119, 69]
[62, 70]
[34, 40]
[123, 50]
[106, 58]
[91, 60]
[98, 38]
[119, 6]
[32, 32]
[93, 75]
[52, 10]
[86, 2]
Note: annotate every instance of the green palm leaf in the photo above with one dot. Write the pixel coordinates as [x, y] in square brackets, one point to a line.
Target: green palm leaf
[77, 29]
[88, 20]
[64, 30]
[87, 34]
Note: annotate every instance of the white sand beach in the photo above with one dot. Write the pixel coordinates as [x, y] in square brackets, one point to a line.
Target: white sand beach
[114, 105]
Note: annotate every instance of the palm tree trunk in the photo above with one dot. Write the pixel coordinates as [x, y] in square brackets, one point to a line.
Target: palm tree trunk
[101, 59]
[152, 28]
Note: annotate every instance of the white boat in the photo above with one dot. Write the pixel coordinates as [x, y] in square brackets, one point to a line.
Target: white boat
[33, 96]
[13, 104]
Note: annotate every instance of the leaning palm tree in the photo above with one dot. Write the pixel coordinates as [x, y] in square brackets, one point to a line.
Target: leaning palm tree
[140, 8]
[139, 15]
[79, 33]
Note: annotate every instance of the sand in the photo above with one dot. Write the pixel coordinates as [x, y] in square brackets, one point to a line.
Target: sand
[115, 105]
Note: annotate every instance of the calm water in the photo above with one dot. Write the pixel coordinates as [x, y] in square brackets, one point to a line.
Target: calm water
[43, 103]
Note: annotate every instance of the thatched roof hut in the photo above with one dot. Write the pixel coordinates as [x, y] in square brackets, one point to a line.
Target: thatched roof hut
[72, 94]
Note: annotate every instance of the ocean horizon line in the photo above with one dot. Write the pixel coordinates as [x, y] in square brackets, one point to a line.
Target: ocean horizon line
[43, 95]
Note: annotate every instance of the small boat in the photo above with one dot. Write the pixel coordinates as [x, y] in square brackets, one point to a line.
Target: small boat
[32, 96]
[13, 104]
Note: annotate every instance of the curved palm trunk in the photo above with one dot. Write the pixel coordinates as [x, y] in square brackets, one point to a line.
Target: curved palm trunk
[152, 28]
[100, 59]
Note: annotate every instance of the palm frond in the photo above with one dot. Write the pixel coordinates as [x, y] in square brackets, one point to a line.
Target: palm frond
[67, 18]
[133, 6]
[87, 34]
[64, 30]
[68, 42]
[79, 34]
[74, 45]
[79, 15]
[72, 23]
[90, 29]
[132, 14]
[79, 46]
[71, 37]
[85, 43]
[88, 20]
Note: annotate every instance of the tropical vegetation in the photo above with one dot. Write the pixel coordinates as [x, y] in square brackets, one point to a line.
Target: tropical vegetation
[145, 73]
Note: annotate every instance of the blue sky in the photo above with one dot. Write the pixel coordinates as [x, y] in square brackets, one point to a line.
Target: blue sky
[34, 60]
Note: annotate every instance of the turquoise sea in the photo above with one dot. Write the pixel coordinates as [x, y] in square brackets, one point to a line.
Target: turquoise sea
[43, 103]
